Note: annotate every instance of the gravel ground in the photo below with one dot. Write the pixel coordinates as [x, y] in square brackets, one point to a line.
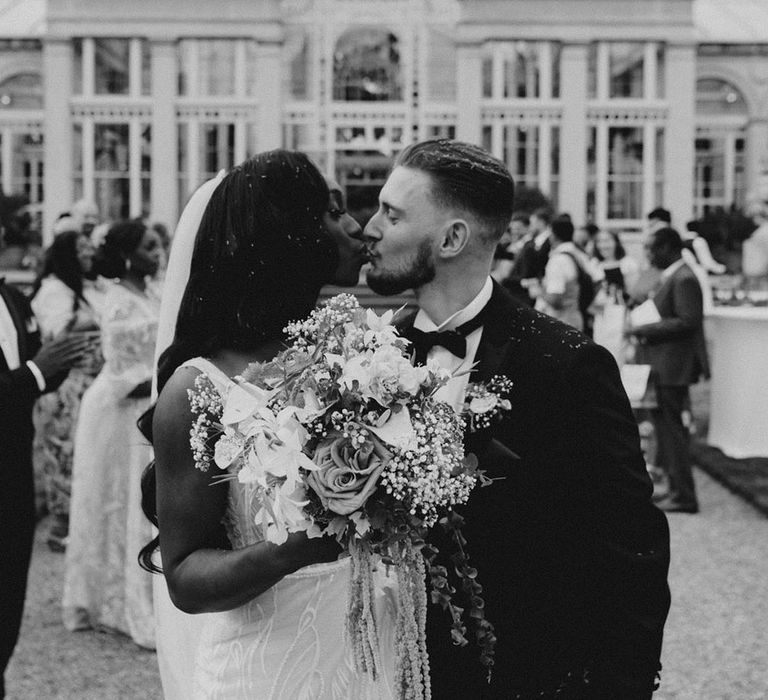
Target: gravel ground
[715, 648]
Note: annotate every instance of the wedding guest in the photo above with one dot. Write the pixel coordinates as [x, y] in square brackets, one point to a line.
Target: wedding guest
[584, 238]
[620, 271]
[541, 229]
[26, 370]
[103, 585]
[674, 347]
[697, 244]
[558, 294]
[86, 215]
[658, 218]
[507, 252]
[62, 304]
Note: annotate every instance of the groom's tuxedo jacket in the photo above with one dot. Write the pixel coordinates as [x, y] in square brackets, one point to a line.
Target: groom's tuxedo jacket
[571, 553]
[18, 392]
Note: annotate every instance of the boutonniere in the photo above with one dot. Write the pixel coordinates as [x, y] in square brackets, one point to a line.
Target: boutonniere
[486, 403]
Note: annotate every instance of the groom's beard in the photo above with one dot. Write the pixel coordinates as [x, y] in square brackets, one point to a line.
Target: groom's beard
[420, 271]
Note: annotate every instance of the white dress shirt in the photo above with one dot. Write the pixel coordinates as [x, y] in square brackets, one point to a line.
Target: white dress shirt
[453, 391]
[9, 345]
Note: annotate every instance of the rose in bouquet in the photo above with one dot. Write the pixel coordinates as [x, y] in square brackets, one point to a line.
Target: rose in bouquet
[341, 435]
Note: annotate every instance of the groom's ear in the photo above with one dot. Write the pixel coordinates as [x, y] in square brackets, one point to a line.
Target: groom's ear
[455, 238]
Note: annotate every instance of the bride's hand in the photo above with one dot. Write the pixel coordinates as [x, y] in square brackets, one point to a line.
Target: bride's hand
[301, 550]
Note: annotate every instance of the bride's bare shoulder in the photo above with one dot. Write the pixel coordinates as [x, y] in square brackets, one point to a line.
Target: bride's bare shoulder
[173, 409]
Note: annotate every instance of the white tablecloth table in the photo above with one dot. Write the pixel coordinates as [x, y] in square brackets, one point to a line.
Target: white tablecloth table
[738, 414]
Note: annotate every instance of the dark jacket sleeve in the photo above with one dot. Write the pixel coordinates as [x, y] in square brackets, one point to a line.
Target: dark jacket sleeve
[18, 389]
[626, 538]
[688, 314]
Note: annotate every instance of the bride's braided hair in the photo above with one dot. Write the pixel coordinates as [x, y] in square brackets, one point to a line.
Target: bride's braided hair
[261, 255]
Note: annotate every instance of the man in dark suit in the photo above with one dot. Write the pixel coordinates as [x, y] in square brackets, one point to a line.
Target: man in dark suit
[27, 369]
[570, 551]
[675, 348]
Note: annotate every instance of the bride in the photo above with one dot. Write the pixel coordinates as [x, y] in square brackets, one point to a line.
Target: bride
[272, 233]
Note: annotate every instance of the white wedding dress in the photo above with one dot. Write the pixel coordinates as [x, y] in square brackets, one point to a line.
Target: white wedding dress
[288, 643]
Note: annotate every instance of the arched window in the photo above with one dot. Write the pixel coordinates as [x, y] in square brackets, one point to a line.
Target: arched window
[22, 91]
[720, 170]
[719, 97]
[366, 66]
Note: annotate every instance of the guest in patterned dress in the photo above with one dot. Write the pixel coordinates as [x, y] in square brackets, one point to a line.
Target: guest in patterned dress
[104, 586]
[63, 304]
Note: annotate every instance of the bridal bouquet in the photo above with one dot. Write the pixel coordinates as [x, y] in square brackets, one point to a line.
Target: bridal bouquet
[341, 435]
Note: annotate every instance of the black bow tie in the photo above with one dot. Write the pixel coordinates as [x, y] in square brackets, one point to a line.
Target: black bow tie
[454, 341]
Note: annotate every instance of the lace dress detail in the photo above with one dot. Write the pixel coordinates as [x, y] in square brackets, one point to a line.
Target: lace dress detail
[287, 644]
[103, 585]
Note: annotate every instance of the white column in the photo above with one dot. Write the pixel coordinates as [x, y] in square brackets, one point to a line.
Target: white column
[649, 168]
[650, 72]
[680, 132]
[498, 72]
[469, 90]
[573, 131]
[193, 154]
[6, 158]
[134, 168]
[239, 68]
[89, 152]
[545, 157]
[499, 135]
[241, 140]
[756, 152]
[603, 71]
[545, 70]
[164, 178]
[601, 173]
[89, 67]
[134, 70]
[729, 162]
[269, 89]
[57, 84]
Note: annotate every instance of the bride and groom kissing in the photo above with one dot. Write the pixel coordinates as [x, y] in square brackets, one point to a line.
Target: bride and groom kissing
[572, 554]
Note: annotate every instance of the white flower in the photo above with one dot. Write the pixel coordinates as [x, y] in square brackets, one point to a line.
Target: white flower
[283, 514]
[483, 404]
[243, 400]
[397, 431]
[228, 448]
[380, 329]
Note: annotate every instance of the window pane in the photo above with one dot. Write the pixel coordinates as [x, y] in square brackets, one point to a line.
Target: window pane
[554, 164]
[217, 60]
[77, 148]
[146, 149]
[217, 144]
[521, 72]
[22, 91]
[592, 72]
[626, 69]
[487, 77]
[521, 153]
[77, 66]
[112, 66]
[296, 66]
[591, 173]
[366, 66]
[661, 75]
[625, 173]
[111, 182]
[146, 68]
[556, 56]
[487, 142]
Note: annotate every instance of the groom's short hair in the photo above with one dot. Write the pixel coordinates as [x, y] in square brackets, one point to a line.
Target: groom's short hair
[467, 177]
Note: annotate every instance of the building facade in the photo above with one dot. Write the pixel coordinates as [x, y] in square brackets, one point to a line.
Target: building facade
[609, 107]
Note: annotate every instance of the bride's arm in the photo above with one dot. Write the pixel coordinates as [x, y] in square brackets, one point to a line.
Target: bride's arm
[201, 576]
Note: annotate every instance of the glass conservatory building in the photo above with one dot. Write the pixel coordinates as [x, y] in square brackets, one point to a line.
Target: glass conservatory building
[609, 107]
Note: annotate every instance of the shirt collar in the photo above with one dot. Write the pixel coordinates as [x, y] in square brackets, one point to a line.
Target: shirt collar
[424, 323]
[541, 238]
[667, 272]
[565, 246]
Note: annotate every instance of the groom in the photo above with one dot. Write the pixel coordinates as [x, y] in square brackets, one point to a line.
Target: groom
[570, 551]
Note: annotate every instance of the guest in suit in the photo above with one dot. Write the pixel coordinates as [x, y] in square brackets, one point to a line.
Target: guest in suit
[676, 351]
[27, 369]
[570, 551]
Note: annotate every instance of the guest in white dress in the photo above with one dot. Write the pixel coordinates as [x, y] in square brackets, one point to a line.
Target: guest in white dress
[104, 586]
[64, 303]
[271, 235]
